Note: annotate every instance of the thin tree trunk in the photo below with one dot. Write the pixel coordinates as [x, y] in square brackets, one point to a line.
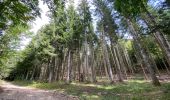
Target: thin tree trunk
[122, 67]
[117, 64]
[63, 64]
[69, 67]
[129, 64]
[166, 67]
[92, 65]
[50, 71]
[27, 75]
[144, 54]
[106, 56]
[33, 73]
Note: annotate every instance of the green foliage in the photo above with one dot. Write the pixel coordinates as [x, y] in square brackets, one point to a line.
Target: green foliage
[17, 12]
[130, 8]
[164, 20]
[69, 30]
[64, 32]
[14, 18]
[106, 19]
[9, 44]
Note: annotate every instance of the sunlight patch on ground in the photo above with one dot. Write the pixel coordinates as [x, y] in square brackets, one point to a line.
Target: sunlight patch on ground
[83, 84]
[138, 81]
[132, 89]
[1, 82]
[90, 97]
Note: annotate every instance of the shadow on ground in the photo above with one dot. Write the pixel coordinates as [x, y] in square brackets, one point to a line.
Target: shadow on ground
[131, 90]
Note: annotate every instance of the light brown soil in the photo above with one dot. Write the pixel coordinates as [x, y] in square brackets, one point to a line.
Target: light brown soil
[9, 91]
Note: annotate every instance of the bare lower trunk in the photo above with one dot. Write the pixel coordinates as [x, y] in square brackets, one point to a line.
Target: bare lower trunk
[106, 58]
[117, 64]
[50, 71]
[69, 66]
[122, 63]
[159, 36]
[144, 53]
[92, 65]
[63, 64]
[129, 64]
[33, 73]
[27, 75]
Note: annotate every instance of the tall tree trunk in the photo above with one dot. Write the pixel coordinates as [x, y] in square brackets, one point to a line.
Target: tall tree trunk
[117, 64]
[106, 57]
[128, 61]
[42, 72]
[50, 71]
[64, 64]
[92, 66]
[69, 66]
[79, 66]
[139, 58]
[26, 78]
[144, 53]
[33, 73]
[60, 60]
[120, 57]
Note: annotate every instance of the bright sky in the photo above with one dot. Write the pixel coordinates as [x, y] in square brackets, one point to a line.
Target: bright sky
[39, 22]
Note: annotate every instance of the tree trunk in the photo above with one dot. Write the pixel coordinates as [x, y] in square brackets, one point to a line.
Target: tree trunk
[144, 53]
[122, 64]
[92, 66]
[117, 64]
[69, 67]
[27, 75]
[106, 57]
[33, 73]
[50, 71]
[159, 36]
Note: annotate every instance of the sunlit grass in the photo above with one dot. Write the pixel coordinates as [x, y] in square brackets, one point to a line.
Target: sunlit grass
[130, 90]
[1, 82]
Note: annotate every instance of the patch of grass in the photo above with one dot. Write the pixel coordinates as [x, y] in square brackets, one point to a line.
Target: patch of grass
[1, 82]
[23, 83]
[130, 90]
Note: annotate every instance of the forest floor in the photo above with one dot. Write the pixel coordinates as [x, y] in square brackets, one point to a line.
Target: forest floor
[9, 91]
[133, 89]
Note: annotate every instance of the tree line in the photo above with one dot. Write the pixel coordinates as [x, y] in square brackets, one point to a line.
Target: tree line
[128, 37]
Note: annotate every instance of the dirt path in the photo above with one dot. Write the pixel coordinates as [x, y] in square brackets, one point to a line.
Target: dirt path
[13, 92]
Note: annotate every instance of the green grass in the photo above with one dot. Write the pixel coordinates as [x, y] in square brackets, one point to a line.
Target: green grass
[131, 90]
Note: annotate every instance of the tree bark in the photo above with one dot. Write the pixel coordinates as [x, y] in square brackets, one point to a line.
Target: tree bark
[105, 51]
[117, 64]
[50, 71]
[144, 53]
[69, 66]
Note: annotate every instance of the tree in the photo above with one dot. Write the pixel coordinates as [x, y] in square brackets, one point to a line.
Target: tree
[110, 30]
[17, 12]
[133, 8]
[87, 29]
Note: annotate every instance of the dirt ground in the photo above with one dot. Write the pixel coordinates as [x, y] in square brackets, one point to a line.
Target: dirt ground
[9, 91]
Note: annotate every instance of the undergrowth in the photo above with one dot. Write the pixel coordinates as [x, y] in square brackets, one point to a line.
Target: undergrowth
[130, 90]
